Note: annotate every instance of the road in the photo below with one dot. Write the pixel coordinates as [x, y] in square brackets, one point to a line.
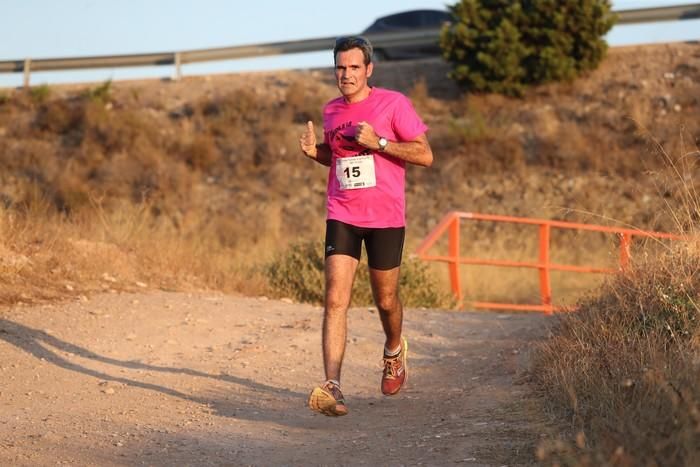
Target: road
[164, 379]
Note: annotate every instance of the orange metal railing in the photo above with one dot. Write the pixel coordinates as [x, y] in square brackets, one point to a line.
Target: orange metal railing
[451, 224]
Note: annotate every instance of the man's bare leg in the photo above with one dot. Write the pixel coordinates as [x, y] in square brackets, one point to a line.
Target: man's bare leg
[340, 272]
[385, 288]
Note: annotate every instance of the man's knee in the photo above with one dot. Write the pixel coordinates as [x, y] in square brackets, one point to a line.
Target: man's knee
[336, 303]
[388, 302]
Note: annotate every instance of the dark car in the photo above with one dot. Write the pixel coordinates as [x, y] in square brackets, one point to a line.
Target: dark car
[408, 21]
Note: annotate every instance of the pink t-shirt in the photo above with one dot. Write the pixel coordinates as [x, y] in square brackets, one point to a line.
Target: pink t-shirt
[354, 196]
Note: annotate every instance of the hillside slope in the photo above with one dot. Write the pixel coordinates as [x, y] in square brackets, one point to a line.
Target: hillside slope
[216, 158]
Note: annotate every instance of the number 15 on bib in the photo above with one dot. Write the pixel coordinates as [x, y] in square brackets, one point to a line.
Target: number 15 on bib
[355, 172]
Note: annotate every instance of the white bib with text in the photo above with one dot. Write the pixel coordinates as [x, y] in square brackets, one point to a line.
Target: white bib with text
[355, 172]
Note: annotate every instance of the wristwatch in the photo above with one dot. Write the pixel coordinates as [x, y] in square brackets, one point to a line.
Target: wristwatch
[382, 143]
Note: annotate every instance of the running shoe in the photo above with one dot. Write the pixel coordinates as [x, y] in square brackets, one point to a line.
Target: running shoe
[328, 400]
[395, 371]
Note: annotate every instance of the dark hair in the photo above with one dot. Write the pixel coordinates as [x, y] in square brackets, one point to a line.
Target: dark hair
[346, 43]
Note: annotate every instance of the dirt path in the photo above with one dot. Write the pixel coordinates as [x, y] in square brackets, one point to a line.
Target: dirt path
[169, 379]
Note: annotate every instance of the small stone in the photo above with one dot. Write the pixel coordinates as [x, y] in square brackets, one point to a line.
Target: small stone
[143, 285]
[108, 277]
[108, 391]
[69, 287]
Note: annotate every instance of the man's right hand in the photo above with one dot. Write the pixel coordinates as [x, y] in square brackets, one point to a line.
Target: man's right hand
[307, 142]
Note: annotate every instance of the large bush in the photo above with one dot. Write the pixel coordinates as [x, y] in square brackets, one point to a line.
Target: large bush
[503, 46]
[298, 274]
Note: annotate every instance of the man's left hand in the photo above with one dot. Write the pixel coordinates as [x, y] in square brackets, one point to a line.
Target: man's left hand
[366, 136]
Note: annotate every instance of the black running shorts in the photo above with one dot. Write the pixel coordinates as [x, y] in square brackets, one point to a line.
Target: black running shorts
[384, 245]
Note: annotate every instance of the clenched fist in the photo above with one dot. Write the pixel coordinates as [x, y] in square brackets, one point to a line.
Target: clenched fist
[366, 136]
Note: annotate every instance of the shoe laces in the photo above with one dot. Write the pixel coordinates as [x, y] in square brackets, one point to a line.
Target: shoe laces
[392, 366]
[334, 389]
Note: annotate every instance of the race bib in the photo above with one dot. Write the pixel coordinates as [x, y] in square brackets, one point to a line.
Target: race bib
[355, 172]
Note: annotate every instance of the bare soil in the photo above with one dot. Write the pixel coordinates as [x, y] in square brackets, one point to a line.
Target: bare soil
[165, 378]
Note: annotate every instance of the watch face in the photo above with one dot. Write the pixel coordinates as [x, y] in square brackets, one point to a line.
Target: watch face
[382, 143]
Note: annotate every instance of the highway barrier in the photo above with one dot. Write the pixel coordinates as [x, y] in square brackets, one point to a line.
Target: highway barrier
[417, 38]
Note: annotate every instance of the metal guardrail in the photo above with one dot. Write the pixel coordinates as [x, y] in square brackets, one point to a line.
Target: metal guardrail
[664, 13]
[380, 40]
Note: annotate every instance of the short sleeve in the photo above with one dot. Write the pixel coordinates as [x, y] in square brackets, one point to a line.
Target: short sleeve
[325, 119]
[406, 122]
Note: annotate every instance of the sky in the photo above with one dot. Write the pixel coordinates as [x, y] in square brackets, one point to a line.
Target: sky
[73, 28]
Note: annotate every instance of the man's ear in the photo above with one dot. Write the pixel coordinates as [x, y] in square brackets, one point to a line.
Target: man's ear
[370, 69]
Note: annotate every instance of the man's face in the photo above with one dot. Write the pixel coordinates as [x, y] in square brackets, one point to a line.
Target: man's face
[351, 73]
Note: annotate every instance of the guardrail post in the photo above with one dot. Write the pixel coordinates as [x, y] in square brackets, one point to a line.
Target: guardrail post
[545, 282]
[453, 246]
[178, 66]
[625, 250]
[27, 71]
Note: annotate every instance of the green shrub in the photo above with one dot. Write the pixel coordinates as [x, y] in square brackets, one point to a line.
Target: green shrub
[469, 128]
[503, 46]
[298, 274]
[101, 93]
[40, 94]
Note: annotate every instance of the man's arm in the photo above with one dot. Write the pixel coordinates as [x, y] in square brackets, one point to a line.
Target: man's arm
[321, 153]
[416, 151]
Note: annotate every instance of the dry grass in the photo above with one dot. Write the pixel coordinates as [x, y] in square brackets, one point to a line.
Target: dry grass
[622, 372]
[47, 256]
[102, 193]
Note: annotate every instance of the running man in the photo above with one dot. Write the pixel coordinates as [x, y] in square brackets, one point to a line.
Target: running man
[369, 134]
